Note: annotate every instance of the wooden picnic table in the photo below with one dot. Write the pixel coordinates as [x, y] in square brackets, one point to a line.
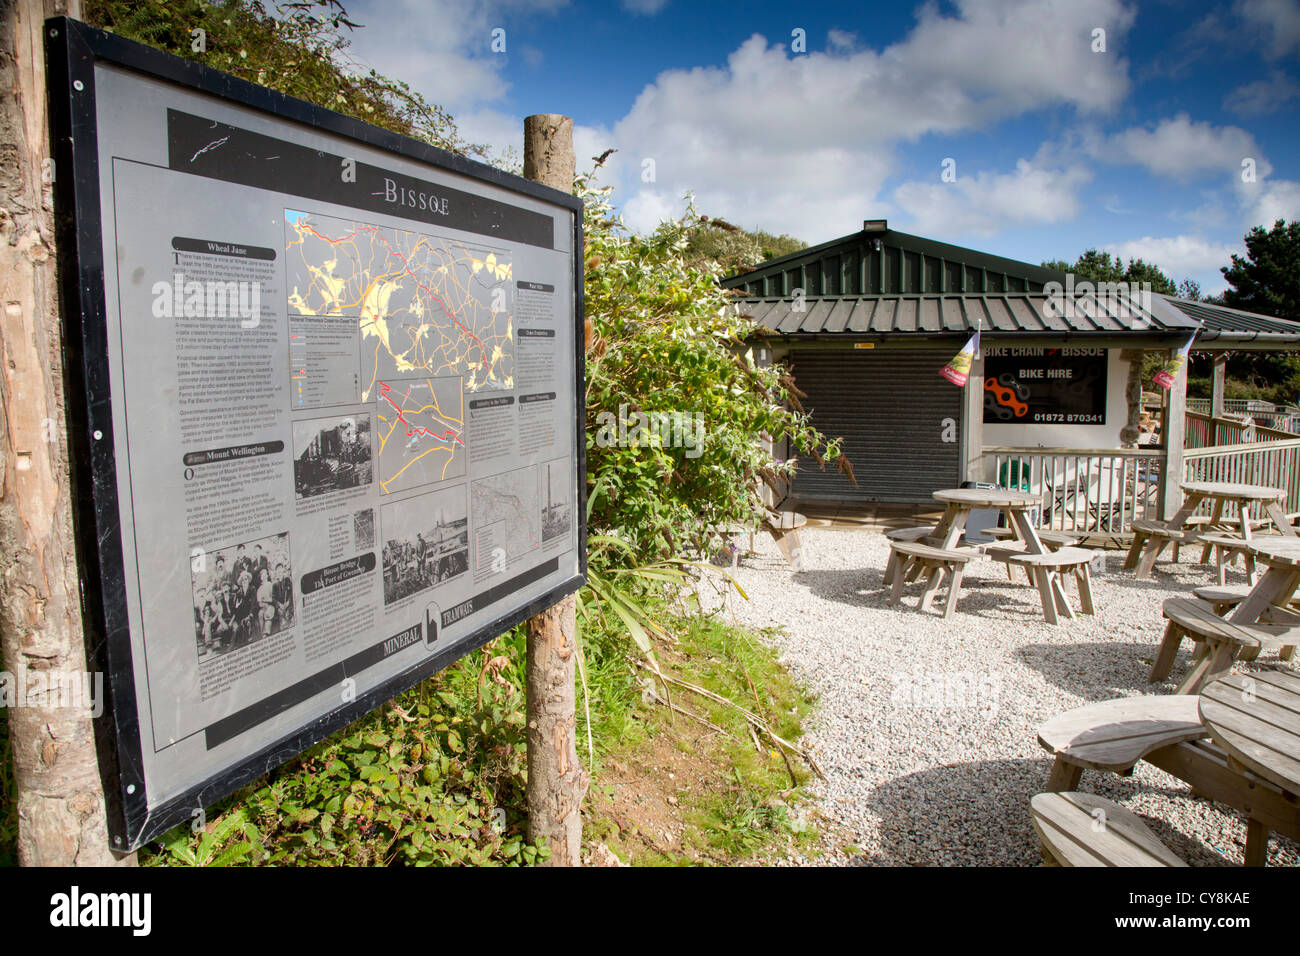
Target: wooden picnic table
[1279, 583]
[1222, 493]
[1262, 620]
[1255, 718]
[1015, 505]
[1229, 748]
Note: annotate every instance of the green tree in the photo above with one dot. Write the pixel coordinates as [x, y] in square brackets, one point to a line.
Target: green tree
[1267, 279]
[1097, 266]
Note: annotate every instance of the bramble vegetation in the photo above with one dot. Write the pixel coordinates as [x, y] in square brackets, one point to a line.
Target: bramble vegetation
[8, 794]
[435, 777]
[715, 242]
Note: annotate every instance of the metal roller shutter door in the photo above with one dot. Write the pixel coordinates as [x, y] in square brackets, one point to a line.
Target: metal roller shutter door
[889, 407]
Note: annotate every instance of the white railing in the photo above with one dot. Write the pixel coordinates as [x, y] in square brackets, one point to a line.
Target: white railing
[1236, 406]
[1287, 423]
[1283, 418]
[1097, 491]
[1272, 463]
[1202, 431]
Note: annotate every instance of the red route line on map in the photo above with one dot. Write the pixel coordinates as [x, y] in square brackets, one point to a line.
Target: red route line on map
[414, 430]
[407, 265]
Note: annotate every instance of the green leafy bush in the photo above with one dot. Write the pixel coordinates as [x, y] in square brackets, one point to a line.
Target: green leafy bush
[436, 777]
[666, 339]
[8, 794]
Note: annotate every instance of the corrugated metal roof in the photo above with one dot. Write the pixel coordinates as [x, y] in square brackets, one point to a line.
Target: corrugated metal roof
[962, 314]
[883, 261]
[1226, 326]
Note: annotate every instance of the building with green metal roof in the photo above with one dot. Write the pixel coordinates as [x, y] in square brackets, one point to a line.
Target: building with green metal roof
[867, 321]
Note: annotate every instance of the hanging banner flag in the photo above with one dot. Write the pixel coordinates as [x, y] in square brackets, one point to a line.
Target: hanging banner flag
[1165, 377]
[958, 370]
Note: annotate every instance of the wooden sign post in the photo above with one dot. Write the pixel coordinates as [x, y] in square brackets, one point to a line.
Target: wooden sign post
[557, 782]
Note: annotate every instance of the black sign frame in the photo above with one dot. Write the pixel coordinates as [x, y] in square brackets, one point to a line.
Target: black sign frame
[1043, 396]
[72, 50]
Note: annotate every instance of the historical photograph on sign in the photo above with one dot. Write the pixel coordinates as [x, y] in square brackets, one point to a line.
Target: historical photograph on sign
[553, 493]
[363, 530]
[426, 542]
[1042, 386]
[242, 594]
[331, 454]
[421, 432]
[507, 518]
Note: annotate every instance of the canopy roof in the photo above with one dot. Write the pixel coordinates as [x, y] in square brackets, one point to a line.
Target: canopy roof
[994, 314]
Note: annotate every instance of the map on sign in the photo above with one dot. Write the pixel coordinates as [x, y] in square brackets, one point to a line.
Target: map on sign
[506, 513]
[424, 305]
[421, 432]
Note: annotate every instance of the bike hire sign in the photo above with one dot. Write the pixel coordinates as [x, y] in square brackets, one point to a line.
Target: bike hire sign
[329, 413]
[1036, 386]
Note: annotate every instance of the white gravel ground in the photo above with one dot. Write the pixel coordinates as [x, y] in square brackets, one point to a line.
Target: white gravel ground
[926, 727]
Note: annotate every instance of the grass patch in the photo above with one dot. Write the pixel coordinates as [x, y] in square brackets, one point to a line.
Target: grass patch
[675, 791]
[438, 776]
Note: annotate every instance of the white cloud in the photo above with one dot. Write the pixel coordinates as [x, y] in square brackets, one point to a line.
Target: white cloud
[841, 41]
[1266, 201]
[645, 8]
[1277, 20]
[498, 131]
[588, 143]
[443, 47]
[1177, 256]
[985, 203]
[1263, 96]
[645, 210]
[1180, 147]
[755, 138]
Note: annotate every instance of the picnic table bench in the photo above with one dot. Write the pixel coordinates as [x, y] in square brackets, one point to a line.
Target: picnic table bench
[1083, 829]
[1219, 642]
[1226, 549]
[946, 535]
[1151, 537]
[784, 528]
[1256, 719]
[1172, 733]
[908, 555]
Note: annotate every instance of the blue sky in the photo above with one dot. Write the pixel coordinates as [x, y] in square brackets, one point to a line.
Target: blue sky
[1167, 144]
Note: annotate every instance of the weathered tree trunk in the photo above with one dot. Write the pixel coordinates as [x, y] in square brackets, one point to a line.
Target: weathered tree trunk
[556, 781]
[60, 799]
